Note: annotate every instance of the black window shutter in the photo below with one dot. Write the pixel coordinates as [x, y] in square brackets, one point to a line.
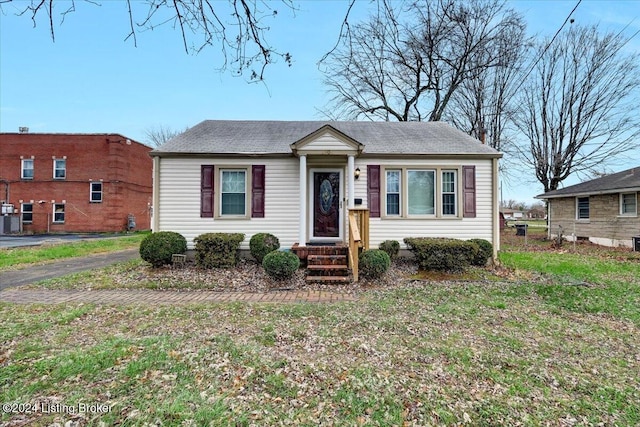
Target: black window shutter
[206, 191]
[469, 191]
[257, 191]
[373, 190]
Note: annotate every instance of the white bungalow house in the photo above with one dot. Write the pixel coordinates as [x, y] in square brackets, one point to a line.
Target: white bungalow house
[302, 180]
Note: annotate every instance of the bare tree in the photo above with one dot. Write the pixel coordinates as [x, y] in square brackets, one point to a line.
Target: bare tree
[579, 108]
[484, 106]
[237, 27]
[407, 62]
[156, 136]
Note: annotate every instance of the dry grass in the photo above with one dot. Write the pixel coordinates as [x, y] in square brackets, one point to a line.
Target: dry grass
[525, 351]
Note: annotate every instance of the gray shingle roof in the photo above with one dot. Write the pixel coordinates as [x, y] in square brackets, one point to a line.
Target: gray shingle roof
[275, 137]
[625, 180]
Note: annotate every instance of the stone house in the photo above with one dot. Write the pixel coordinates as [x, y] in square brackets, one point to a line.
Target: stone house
[603, 210]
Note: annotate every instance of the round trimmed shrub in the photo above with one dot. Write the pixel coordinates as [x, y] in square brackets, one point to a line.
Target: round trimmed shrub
[484, 253]
[157, 248]
[373, 263]
[263, 243]
[391, 247]
[280, 265]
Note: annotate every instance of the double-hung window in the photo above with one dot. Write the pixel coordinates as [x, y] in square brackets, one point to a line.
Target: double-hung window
[628, 204]
[393, 192]
[27, 169]
[95, 192]
[233, 192]
[59, 168]
[27, 213]
[420, 192]
[449, 193]
[58, 212]
[582, 208]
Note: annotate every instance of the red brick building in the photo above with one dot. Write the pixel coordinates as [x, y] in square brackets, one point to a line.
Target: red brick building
[75, 182]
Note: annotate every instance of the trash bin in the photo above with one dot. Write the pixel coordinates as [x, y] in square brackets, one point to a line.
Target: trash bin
[131, 222]
[636, 243]
[521, 229]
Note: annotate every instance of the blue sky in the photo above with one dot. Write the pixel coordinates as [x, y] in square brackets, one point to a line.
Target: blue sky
[91, 80]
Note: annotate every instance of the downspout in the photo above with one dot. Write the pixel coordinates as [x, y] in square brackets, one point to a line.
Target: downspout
[6, 190]
[155, 196]
[495, 212]
[302, 187]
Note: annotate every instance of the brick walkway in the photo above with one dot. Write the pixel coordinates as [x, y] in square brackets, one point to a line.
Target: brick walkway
[151, 297]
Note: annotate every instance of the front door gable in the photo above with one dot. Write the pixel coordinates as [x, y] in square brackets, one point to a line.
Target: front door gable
[327, 141]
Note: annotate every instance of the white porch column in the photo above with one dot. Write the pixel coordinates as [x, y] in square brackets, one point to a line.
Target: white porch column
[302, 233]
[351, 182]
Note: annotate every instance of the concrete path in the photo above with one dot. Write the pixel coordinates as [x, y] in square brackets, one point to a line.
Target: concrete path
[151, 297]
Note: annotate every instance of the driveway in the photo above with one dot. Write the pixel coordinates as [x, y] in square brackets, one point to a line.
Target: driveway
[35, 273]
[16, 241]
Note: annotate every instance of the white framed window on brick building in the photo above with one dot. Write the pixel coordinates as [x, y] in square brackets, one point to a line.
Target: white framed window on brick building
[58, 213]
[95, 192]
[59, 168]
[27, 169]
[26, 210]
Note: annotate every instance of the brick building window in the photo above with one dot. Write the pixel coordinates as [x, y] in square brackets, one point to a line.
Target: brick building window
[58, 213]
[95, 192]
[27, 169]
[59, 168]
[582, 208]
[27, 213]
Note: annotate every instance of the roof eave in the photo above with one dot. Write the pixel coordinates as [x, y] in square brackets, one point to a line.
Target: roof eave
[173, 154]
[589, 193]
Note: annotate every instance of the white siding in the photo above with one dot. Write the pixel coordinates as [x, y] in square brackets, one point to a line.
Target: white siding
[460, 228]
[179, 200]
[327, 142]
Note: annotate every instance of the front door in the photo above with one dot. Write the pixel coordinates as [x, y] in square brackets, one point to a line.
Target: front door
[327, 205]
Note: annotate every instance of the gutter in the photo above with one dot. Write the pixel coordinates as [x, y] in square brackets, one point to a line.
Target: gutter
[590, 193]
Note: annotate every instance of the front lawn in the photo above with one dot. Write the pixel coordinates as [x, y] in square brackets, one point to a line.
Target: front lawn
[545, 345]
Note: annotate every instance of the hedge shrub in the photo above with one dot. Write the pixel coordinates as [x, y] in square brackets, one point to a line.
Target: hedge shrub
[391, 247]
[157, 248]
[484, 253]
[442, 253]
[263, 243]
[217, 250]
[280, 265]
[373, 263]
